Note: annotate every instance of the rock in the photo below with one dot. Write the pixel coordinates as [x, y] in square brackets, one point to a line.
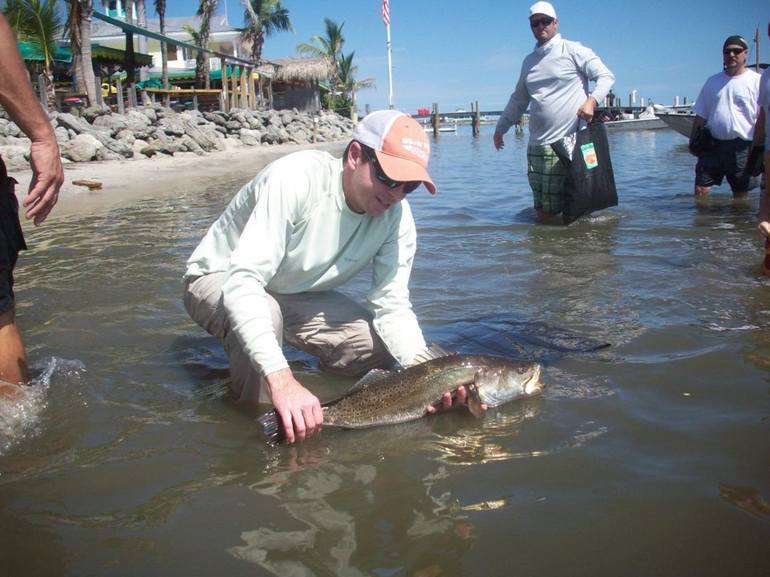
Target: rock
[232, 143]
[96, 133]
[76, 124]
[173, 126]
[191, 145]
[105, 153]
[250, 137]
[138, 146]
[62, 134]
[126, 136]
[207, 141]
[113, 122]
[15, 157]
[92, 113]
[151, 113]
[217, 118]
[13, 130]
[82, 148]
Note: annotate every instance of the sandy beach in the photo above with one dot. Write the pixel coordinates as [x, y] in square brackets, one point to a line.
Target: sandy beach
[125, 181]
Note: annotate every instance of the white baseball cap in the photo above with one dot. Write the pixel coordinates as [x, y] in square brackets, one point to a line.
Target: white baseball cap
[542, 8]
[400, 144]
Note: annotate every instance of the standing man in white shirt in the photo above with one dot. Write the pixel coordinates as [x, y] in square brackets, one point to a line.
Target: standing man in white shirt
[268, 268]
[554, 85]
[727, 106]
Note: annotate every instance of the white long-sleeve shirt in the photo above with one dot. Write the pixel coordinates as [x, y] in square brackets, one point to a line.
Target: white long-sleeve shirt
[554, 83]
[290, 231]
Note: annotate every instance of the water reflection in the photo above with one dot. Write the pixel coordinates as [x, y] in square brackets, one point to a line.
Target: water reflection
[339, 519]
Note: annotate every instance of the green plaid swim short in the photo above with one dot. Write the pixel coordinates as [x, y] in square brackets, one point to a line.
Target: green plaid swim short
[546, 175]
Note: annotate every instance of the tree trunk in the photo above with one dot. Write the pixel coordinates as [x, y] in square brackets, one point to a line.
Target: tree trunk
[141, 16]
[49, 89]
[85, 64]
[164, 59]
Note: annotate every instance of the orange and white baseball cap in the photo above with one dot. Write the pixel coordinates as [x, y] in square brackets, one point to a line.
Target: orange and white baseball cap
[400, 144]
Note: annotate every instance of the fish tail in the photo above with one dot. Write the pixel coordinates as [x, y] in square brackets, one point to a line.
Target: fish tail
[271, 427]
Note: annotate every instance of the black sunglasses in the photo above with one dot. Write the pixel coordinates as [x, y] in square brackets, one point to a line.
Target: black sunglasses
[541, 22]
[380, 175]
[731, 51]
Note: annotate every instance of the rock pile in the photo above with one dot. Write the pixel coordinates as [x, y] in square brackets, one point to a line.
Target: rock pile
[98, 134]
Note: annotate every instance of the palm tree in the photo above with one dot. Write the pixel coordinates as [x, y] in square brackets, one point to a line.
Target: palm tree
[40, 25]
[141, 20]
[206, 11]
[160, 8]
[329, 47]
[200, 71]
[262, 18]
[348, 84]
[79, 30]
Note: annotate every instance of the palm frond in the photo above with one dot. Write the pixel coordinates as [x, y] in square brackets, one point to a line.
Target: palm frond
[38, 23]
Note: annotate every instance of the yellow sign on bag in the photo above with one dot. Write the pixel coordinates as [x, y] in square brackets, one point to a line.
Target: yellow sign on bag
[589, 155]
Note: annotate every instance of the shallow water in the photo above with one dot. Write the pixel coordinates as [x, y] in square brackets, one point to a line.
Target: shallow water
[650, 457]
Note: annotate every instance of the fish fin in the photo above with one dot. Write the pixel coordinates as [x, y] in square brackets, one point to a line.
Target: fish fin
[432, 351]
[271, 427]
[369, 378]
[474, 402]
[474, 406]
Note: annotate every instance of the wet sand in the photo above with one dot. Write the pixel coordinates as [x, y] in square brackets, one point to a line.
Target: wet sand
[124, 181]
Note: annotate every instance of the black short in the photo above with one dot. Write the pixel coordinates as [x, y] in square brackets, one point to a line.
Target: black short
[11, 237]
[727, 158]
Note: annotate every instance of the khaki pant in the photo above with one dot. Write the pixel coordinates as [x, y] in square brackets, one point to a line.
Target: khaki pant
[328, 325]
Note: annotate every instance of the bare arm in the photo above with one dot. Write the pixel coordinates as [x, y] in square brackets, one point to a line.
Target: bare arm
[300, 410]
[19, 101]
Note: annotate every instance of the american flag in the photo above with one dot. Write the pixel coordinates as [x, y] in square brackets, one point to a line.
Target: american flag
[386, 12]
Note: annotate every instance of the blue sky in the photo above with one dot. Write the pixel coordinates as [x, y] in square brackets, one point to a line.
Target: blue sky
[454, 52]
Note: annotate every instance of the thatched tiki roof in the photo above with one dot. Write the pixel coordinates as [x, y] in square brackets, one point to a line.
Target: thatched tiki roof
[298, 70]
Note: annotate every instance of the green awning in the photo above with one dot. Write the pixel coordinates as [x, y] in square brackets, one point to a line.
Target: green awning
[30, 51]
[117, 55]
[173, 76]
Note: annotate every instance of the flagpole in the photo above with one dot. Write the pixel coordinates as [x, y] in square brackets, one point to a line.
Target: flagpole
[390, 71]
[385, 11]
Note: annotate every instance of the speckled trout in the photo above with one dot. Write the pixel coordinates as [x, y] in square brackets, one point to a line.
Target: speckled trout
[390, 397]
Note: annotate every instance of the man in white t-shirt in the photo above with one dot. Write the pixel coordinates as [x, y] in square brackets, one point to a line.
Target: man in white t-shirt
[727, 106]
[268, 267]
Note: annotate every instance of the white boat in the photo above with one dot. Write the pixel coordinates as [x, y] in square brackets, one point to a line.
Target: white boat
[680, 118]
[635, 124]
[442, 128]
[645, 120]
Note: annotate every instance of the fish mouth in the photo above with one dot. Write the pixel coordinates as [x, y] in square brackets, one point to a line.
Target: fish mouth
[533, 386]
